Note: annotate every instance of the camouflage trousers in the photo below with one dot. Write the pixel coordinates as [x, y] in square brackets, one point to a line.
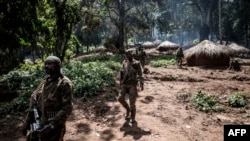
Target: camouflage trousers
[131, 91]
[179, 61]
[142, 60]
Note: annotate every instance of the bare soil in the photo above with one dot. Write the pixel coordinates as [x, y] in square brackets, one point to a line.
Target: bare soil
[164, 110]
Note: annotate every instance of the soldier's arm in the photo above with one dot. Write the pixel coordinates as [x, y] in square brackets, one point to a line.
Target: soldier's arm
[66, 109]
[122, 71]
[141, 77]
[140, 73]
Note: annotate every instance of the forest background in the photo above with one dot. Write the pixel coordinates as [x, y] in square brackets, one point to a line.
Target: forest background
[69, 28]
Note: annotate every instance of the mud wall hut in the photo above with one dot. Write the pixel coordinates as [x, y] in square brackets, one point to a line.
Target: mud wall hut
[208, 53]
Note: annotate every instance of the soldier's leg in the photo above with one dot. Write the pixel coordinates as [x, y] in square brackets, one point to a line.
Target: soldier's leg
[55, 134]
[133, 93]
[143, 62]
[32, 137]
[122, 100]
[177, 60]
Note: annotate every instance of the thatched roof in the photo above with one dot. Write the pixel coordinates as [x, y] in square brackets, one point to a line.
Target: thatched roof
[239, 49]
[148, 44]
[208, 53]
[167, 45]
[209, 49]
[157, 42]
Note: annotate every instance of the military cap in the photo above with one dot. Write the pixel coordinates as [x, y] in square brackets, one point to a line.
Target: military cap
[53, 59]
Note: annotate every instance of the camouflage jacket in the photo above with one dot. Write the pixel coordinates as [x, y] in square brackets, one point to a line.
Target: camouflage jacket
[131, 72]
[142, 53]
[57, 100]
[179, 53]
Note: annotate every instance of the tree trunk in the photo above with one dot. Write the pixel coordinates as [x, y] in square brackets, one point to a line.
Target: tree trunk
[206, 26]
[247, 27]
[220, 30]
[121, 6]
[60, 27]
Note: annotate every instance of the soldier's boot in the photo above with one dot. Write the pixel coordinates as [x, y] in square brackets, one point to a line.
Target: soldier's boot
[132, 118]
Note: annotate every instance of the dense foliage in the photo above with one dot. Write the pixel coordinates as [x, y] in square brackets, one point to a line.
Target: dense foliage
[64, 27]
[88, 78]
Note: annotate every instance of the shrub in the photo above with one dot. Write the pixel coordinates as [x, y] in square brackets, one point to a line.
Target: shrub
[205, 103]
[162, 60]
[103, 58]
[236, 100]
[88, 79]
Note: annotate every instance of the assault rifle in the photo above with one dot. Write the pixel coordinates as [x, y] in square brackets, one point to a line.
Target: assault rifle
[37, 125]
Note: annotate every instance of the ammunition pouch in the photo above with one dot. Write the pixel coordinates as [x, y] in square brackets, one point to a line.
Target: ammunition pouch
[50, 115]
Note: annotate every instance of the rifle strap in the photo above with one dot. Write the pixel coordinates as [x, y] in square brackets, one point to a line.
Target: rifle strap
[39, 88]
[34, 95]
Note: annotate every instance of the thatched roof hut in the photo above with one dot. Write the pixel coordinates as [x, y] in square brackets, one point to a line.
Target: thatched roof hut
[239, 49]
[167, 46]
[157, 42]
[208, 53]
[148, 45]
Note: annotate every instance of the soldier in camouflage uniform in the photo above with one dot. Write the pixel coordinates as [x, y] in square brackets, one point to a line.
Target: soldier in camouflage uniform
[179, 56]
[142, 55]
[54, 99]
[130, 73]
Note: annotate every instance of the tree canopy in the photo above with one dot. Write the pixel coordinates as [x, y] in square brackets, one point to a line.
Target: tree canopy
[37, 28]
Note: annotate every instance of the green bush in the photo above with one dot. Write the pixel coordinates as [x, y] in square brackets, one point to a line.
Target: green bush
[104, 58]
[162, 63]
[162, 60]
[88, 79]
[27, 76]
[236, 100]
[205, 103]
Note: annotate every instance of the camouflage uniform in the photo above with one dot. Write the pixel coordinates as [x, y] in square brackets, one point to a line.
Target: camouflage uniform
[142, 56]
[130, 73]
[57, 94]
[179, 56]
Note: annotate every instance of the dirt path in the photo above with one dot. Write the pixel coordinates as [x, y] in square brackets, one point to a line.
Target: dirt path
[163, 114]
[163, 109]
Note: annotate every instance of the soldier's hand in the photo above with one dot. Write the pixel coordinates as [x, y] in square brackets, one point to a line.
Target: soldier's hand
[44, 131]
